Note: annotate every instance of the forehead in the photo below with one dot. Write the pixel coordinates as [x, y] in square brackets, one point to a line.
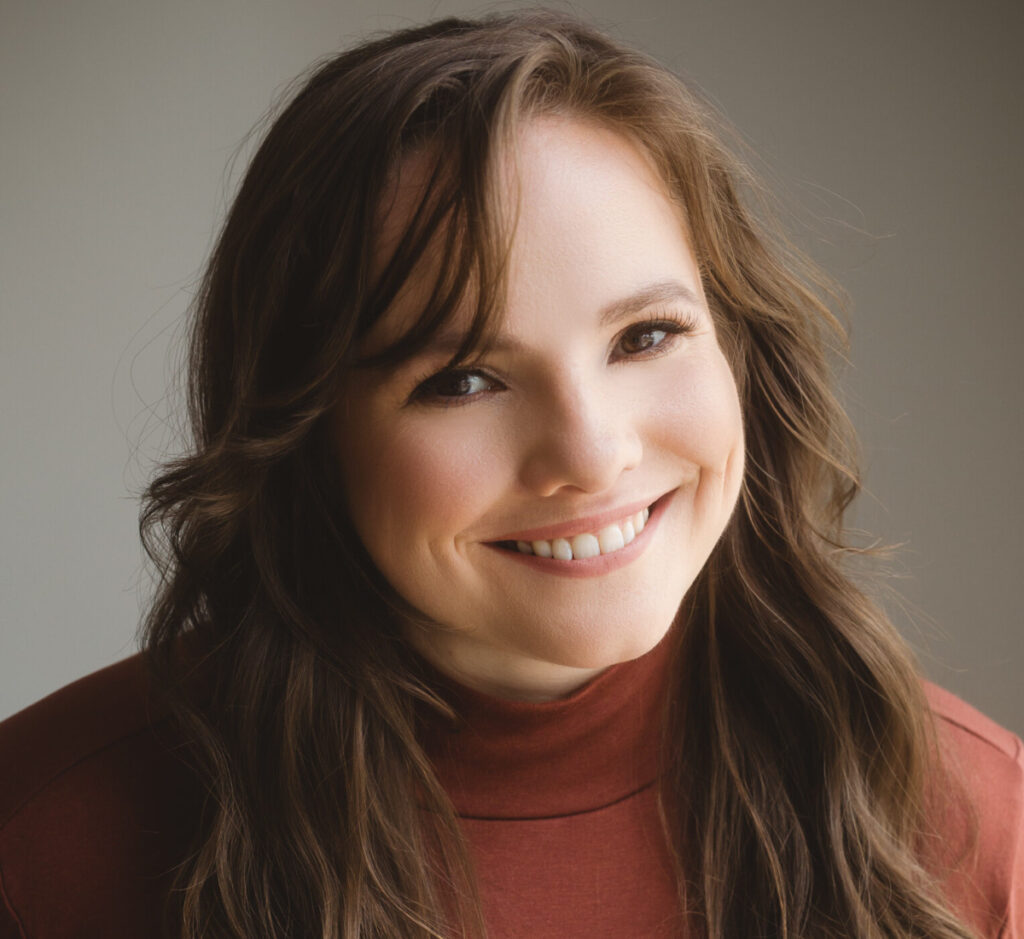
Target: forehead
[568, 192]
[588, 195]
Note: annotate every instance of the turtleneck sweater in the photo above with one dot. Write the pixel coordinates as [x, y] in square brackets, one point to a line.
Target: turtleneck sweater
[558, 803]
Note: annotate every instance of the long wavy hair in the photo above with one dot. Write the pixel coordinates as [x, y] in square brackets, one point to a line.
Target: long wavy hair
[324, 817]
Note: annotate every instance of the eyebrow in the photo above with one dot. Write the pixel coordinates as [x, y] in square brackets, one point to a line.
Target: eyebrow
[663, 291]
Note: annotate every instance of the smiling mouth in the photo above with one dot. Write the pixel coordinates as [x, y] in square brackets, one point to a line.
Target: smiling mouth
[607, 540]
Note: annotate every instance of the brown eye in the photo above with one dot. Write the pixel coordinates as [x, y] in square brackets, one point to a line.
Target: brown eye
[453, 386]
[642, 340]
[645, 338]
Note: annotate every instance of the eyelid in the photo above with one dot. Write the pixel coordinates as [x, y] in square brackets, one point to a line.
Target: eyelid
[682, 321]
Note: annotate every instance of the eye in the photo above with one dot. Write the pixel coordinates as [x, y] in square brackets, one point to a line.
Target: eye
[453, 387]
[651, 338]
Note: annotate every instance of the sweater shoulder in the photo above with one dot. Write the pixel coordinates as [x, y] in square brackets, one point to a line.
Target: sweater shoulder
[74, 727]
[98, 806]
[986, 759]
[981, 821]
[959, 720]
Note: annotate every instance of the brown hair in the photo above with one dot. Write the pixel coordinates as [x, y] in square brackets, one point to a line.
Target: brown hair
[324, 817]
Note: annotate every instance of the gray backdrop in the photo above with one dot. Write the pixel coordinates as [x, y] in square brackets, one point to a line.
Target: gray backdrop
[892, 128]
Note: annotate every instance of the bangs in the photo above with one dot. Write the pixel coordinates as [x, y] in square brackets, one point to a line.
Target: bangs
[441, 248]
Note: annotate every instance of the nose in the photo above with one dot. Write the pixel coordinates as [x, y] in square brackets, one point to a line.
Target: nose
[580, 441]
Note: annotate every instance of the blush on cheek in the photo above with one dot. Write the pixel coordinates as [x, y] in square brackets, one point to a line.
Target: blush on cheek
[418, 488]
[699, 413]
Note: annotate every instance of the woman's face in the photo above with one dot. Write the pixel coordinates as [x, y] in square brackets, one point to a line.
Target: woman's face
[605, 396]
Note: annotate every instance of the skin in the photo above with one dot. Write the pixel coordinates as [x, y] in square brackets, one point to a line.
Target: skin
[572, 417]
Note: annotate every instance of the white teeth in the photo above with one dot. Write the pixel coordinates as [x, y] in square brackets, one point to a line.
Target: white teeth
[561, 550]
[587, 545]
[611, 539]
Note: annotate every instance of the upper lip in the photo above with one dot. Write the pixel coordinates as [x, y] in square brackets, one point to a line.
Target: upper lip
[578, 526]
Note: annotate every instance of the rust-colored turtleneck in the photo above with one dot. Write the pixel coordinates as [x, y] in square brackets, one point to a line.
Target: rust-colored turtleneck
[557, 803]
[559, 806]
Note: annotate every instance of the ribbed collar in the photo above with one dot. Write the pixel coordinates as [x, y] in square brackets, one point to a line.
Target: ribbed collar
[506, 759]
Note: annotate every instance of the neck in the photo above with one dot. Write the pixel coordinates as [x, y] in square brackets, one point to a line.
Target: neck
[505, 675]
[503, 758]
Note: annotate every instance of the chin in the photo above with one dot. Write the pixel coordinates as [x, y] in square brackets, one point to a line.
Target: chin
[601, 646]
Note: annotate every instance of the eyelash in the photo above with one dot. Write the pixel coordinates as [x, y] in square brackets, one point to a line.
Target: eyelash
[672, 324]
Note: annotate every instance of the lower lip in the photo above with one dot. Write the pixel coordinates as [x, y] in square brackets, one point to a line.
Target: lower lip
[603, 563]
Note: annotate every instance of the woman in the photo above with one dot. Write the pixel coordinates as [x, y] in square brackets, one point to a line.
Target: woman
[504, 589]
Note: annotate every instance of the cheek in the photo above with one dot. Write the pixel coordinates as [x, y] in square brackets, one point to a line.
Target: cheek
[701, 417]
[417, 483]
